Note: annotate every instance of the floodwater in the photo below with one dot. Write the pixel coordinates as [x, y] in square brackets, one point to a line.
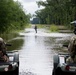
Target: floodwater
[36, 55]
[36, 51]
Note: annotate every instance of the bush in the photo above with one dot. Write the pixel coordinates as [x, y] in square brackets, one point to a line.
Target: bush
[53, 28]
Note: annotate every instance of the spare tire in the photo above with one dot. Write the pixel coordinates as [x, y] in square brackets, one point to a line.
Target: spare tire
[55, 61]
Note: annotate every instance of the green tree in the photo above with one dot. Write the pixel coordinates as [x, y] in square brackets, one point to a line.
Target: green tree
[12, 16]
[59, 12]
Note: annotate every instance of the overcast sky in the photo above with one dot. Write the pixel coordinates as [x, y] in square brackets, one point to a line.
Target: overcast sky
[30, 6]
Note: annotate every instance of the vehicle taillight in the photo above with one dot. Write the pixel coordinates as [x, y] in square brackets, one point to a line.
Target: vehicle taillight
[67, 67]
[10, 66]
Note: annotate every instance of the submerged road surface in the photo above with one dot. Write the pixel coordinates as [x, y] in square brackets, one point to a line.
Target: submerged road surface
[36, 55]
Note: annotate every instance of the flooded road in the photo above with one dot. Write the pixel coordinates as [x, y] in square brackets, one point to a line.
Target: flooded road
[36, 53]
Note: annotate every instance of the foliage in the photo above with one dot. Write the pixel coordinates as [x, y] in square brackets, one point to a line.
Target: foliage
[40, 25]
[53, 28]
[28, 26]
[12, 16]
[60, 12]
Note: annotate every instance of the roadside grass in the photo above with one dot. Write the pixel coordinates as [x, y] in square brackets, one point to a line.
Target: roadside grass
[28, 26]
[40, 26]
[53, 28]
[12, 33]
[9, 36]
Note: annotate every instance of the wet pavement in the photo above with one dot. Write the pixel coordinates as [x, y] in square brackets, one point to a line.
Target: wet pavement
[36, 53]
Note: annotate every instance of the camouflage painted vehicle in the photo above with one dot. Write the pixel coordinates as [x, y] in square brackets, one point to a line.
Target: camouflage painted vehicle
[11, 67]
[60, 67]
[65, 64]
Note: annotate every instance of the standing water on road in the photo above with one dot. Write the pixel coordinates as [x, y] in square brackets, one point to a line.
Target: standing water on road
[36, 54]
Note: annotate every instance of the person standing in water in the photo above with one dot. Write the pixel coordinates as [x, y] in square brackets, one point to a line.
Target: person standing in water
[35, 28]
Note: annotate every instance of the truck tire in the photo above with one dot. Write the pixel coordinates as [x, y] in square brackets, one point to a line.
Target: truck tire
[16, 58]
[55, 63]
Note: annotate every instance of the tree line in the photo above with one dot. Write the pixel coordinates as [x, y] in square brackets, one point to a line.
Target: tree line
[12, 16]
[59, 12]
